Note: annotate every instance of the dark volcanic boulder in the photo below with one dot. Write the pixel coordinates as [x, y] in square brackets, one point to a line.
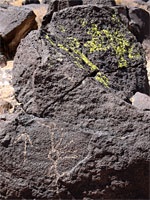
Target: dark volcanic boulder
[80, 140]
[96, 44]
[57, 5]
[15, 24]
[94, 146]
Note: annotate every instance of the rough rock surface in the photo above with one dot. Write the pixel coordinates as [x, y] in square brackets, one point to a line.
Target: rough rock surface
[15, 24]
[92, 49]
[94, 146]
[138, 20]
[57, 5]
[80, 140]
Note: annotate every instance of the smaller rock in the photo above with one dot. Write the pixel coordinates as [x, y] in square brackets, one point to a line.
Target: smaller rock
[15, 24]
[5, 106]
[30, 2]
[141, 101]
[139, 23]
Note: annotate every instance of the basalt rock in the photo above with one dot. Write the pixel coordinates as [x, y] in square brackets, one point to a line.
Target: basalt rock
[94, 146]
[96, 44]
[75, 137]
[15, 24]
[57, 5]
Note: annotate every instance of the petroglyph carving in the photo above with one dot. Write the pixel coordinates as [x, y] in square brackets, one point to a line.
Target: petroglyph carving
[27, 140]
[58, 151]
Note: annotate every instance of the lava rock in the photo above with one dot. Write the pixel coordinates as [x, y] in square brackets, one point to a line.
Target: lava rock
[78, 44]
[75, 138]
[15, 24]
[57, 5]
[94, 146]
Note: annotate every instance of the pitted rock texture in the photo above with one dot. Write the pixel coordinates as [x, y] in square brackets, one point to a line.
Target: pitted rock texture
[75, 138]
[94, 146]
[80, 45]
[57, 5]
[15, 24]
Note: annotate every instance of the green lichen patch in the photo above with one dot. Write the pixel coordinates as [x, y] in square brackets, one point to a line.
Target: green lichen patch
[90, 42]
[72, 47]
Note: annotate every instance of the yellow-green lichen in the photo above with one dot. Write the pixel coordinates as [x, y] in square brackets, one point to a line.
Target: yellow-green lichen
[61, 28]
[102, 79]
[102, 40]
[48, 38]
[99, 39]
[73, 45]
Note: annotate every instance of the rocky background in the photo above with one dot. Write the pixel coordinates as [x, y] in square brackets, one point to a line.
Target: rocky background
[74, 99]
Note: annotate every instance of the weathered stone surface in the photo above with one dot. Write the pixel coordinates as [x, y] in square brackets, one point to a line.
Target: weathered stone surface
[15, 24]
[57, 5]
[94, 146]
[138, 22]
[75, 46]
[75, 138]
